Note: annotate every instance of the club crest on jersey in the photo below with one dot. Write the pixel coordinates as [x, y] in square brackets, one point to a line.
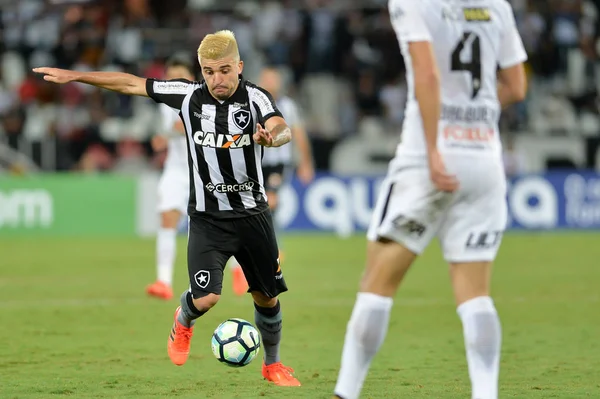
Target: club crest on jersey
[214, 140]
[241, 118]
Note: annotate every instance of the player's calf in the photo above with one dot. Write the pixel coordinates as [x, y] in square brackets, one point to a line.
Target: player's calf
[269, 321]
[481, 325]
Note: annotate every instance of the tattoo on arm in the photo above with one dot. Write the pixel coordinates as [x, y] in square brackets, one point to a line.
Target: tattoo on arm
[282, 134]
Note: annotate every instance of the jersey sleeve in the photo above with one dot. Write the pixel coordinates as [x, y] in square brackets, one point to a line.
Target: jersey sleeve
[170, 92]
[512, 52]
[263, 103]
[408, 22]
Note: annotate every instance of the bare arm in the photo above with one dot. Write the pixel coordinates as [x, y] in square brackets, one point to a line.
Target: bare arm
[512, 85]
[306, 170]
[427, 89]
[301, 140]
[116, 81]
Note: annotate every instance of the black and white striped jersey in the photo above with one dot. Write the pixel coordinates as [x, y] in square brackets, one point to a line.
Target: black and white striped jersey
[226, 179]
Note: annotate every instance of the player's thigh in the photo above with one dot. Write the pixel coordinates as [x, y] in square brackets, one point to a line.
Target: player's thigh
[408, 210]
[470, 238]
[387, 263]
[173, 191]
[259, 255]
[473, 228]
[210, 245]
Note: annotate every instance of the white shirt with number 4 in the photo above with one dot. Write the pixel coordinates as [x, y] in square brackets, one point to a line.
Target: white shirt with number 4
[470, 39]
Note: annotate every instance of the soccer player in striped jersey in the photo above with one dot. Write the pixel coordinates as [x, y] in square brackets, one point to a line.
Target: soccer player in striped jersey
[228, 121]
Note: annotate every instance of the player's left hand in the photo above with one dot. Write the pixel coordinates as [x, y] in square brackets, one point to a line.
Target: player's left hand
[306, 173]
[262, 136]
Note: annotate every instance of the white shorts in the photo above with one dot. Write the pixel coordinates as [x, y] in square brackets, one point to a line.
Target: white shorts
[173, 190]
[469, 223]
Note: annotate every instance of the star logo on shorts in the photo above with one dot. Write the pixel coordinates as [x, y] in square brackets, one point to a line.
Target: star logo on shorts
[241, 118]
[202, 278]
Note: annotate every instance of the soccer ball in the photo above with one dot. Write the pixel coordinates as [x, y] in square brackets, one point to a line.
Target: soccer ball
[235, 342]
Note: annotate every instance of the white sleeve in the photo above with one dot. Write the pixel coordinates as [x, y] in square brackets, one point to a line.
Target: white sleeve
[512, 52]
[168, 118]
[408, 22]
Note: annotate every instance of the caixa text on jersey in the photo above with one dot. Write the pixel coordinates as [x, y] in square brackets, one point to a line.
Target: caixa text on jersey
[218, 140]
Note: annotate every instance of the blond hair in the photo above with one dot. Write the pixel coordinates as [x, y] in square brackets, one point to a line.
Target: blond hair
[218, 45]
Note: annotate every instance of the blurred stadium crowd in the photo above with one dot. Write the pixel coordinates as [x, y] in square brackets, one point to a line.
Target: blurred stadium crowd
[340, 59]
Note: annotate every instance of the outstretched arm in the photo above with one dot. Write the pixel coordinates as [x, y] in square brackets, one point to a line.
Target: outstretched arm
[116, 81]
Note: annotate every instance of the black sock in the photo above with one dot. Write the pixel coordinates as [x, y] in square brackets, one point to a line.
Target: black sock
[189, 313]
[268, 322]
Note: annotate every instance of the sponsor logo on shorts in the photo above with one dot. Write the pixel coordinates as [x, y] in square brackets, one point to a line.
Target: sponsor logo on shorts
[230, 188]
[485, 240]
[202, 278]
[411, 226]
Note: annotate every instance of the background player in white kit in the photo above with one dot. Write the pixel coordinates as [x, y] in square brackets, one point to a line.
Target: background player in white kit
[173, 187]
[473, 48]
[277, 161]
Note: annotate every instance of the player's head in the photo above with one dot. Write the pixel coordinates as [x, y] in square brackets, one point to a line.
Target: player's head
[219, 59]
[270, 80]
[179, 66]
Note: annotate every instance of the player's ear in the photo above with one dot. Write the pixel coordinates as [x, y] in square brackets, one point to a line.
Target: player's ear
[240, 67]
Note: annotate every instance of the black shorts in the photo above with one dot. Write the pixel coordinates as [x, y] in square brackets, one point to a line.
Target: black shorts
[274, 176]
[251, 240]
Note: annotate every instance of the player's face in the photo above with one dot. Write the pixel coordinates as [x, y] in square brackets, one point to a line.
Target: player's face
[270, 81]
[221, 76]
[179, 72]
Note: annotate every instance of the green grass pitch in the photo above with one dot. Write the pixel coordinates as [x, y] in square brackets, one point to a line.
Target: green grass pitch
[76, 323]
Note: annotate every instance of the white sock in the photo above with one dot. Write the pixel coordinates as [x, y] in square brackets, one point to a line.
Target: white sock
[483, 336]
[166, 249]
[364, 335]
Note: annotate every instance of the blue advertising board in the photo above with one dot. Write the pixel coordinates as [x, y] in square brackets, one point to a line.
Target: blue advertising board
[557, 200]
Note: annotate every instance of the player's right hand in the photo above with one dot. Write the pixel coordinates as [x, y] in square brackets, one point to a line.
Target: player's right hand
[441, 179]
[56, 75]
[262, 136]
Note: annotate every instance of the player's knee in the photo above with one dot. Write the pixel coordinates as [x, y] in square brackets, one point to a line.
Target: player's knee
[205, 303]
[263, 301]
